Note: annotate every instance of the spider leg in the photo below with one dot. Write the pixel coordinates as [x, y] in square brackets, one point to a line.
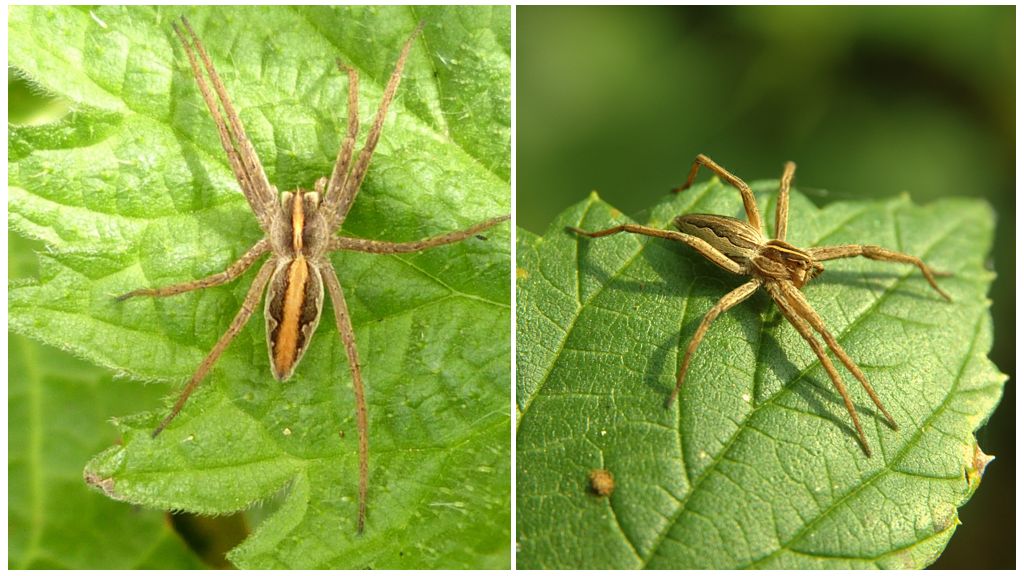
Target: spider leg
[244, 161]
[348, 337]
[782, 204]
[332, 198]
[379, 247]
[801, 326]
[355, 178]
[320, 185]
[749, 204]
[233, 271]
[706, 250]
[803, 307]
[252, 299]
[878, 253]
[728, 301]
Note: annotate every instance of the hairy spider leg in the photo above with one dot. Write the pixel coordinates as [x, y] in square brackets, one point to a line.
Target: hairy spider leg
[803, 307]
[233, 271]
[782, 203]
[336, 184]
[698, 244]
[347, 194]
[749, 204]
[382, 247]
[252, 299]
[728, 301]
[348, 337]
[882, 254]
[243, 159]
[802, 327]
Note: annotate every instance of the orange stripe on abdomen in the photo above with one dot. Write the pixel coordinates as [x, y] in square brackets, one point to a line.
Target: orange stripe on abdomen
[298, 222]
[286, 344]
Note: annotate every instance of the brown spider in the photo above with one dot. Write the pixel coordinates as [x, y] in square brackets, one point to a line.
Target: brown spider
[778, 266]
[298, 233]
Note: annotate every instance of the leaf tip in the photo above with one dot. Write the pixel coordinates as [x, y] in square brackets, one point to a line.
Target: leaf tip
[979, 462]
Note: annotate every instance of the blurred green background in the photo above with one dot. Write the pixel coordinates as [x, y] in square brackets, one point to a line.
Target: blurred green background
[869, 102]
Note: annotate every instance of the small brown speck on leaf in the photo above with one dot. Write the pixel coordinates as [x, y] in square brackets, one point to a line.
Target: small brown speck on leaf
[602, 483]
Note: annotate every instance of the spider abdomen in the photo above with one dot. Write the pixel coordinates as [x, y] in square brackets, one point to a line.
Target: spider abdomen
[295, 298]
[737, 240]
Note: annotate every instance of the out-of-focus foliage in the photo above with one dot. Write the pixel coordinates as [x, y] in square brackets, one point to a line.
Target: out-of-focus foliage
[866, 100]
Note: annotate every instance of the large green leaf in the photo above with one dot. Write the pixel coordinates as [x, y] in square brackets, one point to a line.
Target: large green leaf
[57, 410]
[132, 189]
[757, 464]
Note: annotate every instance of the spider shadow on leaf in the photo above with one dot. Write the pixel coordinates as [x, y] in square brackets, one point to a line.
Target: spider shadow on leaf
[688, 281]
[872, 283]
[215, 204]
[823, 400]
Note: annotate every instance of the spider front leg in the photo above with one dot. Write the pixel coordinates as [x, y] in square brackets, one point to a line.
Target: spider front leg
[706, 250]
[233, 271]
[749, 204]
[801, 326]
[782, 203]
[252, 299]
[342, 190]
[879, 253]
[242, 157]
[728, 301]
[332, 193]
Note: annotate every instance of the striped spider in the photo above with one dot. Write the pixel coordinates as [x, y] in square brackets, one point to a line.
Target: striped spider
[299, 235]
[773, 264]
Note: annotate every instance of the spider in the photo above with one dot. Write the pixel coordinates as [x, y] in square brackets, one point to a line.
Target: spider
[774, 264]
[298, 232]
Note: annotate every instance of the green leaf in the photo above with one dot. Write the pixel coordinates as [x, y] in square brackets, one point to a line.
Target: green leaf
[756, 464]
[132, 189]
[57, 411]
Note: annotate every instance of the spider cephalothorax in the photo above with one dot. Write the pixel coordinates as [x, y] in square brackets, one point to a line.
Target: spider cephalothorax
[779, 260]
